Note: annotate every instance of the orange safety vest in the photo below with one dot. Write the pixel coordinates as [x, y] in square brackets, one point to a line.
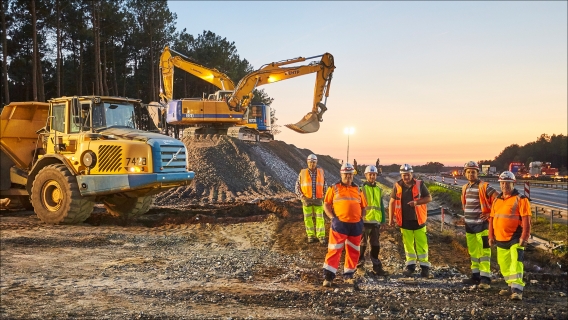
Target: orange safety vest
[306, 183]
[421, 209]
[507, 216]
[347, 203]
[483, 200]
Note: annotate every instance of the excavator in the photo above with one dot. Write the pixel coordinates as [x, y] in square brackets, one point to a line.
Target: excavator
[229, 110]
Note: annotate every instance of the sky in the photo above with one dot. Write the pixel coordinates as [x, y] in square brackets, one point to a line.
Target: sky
[418, 81]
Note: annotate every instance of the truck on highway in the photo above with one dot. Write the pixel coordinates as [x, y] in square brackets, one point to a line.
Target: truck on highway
[59, 158]
[539, 168]
[518, 169]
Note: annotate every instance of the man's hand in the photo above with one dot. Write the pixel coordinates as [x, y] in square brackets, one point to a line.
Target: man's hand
[484, 216]
[523, 242]
[491, 242]
[304, 201]
[412, 203]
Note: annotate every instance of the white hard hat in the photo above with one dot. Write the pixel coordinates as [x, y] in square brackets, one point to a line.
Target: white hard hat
[406, 168]
[347, 168]
[471, 165]
[371, 169]
[507, 176]
[312, 157]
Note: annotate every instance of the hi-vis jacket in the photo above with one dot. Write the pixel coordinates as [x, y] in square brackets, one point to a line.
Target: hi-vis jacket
[421, 209]
[483, 200]
[375, 210]
[507, 216]
[306, 183]
[347, 202]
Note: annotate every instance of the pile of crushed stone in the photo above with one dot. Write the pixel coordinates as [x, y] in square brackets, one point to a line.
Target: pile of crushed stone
[227, 169]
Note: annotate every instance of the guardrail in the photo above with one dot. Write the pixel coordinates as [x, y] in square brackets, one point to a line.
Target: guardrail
[534, 183]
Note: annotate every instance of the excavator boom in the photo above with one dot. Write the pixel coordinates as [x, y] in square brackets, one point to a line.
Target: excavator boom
[275, 72]
[169, 62]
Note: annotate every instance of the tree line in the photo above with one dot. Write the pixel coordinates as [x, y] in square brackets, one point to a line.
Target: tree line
[546, 148]
[53, 48]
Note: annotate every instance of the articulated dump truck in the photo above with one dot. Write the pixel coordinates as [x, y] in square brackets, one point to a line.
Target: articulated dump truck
[61, 157]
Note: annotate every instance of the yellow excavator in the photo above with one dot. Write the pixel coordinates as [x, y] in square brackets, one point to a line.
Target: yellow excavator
[228, 111]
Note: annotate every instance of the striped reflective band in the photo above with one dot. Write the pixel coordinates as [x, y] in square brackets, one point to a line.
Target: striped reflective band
[352, 245]
[335, 246]
[345, 198]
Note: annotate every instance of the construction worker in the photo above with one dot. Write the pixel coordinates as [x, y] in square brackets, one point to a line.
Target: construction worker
[374, 217]
[345, 206]
[408, 206]
[477, 197]
[509, 230]
[310, 188]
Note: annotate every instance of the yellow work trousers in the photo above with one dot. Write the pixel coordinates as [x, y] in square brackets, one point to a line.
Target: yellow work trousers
[511, 265]
[309, 213]
[479, 252]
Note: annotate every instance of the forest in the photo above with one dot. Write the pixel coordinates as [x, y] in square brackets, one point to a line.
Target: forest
[53, 48]
[546, 148]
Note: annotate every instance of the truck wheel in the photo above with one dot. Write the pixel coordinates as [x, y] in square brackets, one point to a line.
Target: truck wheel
[26, 202]
[56, 197]
[124, 207]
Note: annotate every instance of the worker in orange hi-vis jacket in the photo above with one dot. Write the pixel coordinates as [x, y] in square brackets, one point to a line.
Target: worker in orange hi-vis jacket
[509, 230]
[345, 205]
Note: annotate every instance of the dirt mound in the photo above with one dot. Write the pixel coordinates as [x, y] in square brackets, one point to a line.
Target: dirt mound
[231, 170]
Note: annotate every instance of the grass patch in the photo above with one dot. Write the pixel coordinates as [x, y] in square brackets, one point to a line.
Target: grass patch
[449, 197]
[541, 228]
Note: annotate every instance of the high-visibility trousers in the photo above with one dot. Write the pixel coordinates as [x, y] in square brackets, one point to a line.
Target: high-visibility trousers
[319, 230]
[418, 238]
[334, 249]
[479, 252]
[511, 265]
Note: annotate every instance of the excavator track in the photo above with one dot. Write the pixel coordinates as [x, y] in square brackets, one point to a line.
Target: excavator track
[243, 133]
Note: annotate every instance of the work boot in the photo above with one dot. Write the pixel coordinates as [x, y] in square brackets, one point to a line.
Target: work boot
[474, 280]
[517, 295]
[379, 271]
[409, 271]
[425, 272]
[326, 283]
[323, 241]
[485, 283]
[505, 292]
[311, 239]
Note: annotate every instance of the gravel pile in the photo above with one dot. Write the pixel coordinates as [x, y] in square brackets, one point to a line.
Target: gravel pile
[227, 170]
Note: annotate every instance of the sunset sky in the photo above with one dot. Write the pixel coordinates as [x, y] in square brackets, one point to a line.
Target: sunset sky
[419, 81]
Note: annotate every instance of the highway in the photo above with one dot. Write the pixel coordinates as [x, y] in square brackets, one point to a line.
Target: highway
[555, 198]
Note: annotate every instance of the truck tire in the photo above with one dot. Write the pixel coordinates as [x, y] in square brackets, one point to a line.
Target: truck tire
[56, 197]
[124, 207]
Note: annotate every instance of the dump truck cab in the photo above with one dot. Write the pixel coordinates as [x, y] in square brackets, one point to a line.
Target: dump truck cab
[74, 151]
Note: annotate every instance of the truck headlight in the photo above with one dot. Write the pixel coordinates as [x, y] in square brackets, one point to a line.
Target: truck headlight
[89, 159]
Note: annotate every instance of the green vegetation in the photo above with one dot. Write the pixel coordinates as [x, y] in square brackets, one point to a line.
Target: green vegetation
[451, 198]
[541, 228]
[553, 149]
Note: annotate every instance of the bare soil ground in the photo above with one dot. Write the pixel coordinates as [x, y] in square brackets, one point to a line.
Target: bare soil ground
[237, 261]
[233, 246]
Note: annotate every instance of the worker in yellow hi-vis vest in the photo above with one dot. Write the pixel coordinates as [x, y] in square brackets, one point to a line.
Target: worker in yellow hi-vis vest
[310, 188]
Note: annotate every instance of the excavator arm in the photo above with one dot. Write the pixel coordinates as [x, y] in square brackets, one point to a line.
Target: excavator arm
[275, 72]
[169, 62]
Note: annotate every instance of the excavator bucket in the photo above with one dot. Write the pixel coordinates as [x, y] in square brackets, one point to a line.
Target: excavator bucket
[310, 122]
